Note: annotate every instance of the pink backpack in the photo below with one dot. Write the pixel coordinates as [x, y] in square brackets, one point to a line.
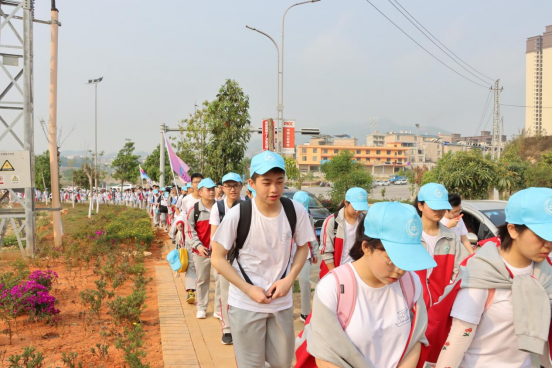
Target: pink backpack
[347, 292]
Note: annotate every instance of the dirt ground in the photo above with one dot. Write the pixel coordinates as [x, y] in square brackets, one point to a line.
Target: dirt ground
[74, 333]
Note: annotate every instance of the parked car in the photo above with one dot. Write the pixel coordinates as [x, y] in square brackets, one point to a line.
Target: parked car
[318, 211]
[482, 218]
[385, 183]
[400, 182]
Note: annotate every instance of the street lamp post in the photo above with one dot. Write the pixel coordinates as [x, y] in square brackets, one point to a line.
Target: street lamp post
[280, 75]
[278, 69]
[281, 106]
[95, 83]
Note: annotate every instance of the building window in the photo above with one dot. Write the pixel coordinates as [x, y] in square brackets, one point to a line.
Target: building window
[325, 151]
[314, 151]
[336, 151]
[314, 158]
[377, 152]
[303, 150]
[388, 152]
[325, 157]
[358, 151]
[304, 158]
[368, 159]
[367, 152]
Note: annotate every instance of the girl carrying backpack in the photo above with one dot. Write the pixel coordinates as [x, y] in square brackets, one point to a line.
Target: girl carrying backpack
[497, 313]
[361, 317]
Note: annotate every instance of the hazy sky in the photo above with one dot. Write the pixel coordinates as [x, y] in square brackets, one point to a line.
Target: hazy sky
[344, 62]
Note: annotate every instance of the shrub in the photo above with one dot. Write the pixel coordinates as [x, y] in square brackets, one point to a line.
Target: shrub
[29, 359]
[130, 343]
[128, 308]
[45, 278]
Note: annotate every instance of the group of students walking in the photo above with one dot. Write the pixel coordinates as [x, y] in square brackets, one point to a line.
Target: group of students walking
[401, 285]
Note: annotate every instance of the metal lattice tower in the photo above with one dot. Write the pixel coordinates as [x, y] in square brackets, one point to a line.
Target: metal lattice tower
[372, 125]
[497, 122]
[17, 16]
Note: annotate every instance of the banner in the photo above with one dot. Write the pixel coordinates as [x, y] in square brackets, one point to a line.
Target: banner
[178, 166]
[289, 137]
[265, 134]
[143, 175]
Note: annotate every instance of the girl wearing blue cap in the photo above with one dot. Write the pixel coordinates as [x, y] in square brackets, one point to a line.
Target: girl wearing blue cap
[499, 308]
[304, 277]
[338, 231]
[370, 313]
[443, 244]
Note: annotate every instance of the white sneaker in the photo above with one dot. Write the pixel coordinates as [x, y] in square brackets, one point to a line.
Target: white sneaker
[218, 316]
[201, 314]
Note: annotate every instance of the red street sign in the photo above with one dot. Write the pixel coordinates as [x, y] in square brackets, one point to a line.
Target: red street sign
[289, 136]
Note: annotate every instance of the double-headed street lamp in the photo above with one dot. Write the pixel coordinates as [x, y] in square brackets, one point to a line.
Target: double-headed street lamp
[280, 73]
[95, 83]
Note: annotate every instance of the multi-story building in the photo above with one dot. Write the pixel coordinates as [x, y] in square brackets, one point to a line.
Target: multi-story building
[376, 139]
[485, 139]
[379, 160]
[538, 84]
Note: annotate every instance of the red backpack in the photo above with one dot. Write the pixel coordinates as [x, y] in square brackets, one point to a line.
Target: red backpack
[347, 297]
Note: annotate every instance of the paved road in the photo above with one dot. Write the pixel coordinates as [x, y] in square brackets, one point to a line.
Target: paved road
[401, 192]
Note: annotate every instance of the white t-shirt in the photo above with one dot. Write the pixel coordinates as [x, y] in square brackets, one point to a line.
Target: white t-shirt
[188, 202]
[349, 241]
[266, 253]
[380, 324]
[460, 229]
[214, 214]
[494, 344]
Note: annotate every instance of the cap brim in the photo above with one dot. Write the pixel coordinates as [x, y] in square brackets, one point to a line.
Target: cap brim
[409, 257]
[438, 205]
[264, 169]
[360, 205]
[199, 188]
[542, 230]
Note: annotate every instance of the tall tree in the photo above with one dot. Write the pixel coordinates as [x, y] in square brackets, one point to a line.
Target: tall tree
[345, 173]
[151, 165]
[42, 171]
[195, 134]
[125, 165]
[229, 123]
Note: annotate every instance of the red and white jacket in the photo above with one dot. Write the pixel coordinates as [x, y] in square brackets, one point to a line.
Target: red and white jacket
[449, 253]
[331, 246]
[198, 233]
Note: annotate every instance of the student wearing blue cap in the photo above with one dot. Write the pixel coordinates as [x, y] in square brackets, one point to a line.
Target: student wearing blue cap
[198, 240]
[262, 265]
[443, 244]
[232, 185]
[500, 303]
[305, 275]
[370, 313]
[338, 231]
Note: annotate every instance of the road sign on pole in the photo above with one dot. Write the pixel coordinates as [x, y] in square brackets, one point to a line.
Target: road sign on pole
[289, 139]
[15, 169]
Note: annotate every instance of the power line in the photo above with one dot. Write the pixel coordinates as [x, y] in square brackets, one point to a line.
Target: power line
[432, 55]
[526, 106]
[488, 122]
[462, 66]
[484, 112]
[492, 79]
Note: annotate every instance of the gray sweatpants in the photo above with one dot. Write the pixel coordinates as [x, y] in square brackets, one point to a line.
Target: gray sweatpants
[221, 301]
[305, 288]
[203, 277]
[262, 337]
[190, 275]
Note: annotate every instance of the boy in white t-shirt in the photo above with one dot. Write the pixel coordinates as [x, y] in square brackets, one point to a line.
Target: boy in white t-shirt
[453, 219]
[260, 295]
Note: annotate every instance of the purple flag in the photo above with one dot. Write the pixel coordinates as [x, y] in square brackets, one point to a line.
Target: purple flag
[177, 164]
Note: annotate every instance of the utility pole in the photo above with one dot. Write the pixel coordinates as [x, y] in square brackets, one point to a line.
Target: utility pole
[497, 122]
[162, 157]
[54, 167]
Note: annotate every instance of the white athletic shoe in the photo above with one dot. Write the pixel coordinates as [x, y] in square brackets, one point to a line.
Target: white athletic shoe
[218, 316]
[201, 314]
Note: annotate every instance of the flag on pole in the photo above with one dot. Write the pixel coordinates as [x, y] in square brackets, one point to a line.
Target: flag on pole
[143, 175]
[178, 166]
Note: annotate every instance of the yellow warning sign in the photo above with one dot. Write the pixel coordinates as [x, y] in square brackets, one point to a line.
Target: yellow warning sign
[7, 167]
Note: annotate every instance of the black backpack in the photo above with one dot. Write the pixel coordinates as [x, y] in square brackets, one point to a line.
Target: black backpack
[221, 208]
[243, 230]
[196, 213]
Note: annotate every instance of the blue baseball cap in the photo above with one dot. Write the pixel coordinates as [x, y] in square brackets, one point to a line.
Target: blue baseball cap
[303, 198]
[264, 162]
[399, 228]
[357, 197]
[435, 196]
[531, 207]
[188, 185]
[232, 177]
[207, 183]
[252, 190]
[173, 258]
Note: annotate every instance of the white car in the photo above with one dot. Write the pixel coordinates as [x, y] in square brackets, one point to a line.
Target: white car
[482, 218]
[385, 183]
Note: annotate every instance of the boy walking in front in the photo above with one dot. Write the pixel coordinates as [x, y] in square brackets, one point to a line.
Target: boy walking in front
[260, 295]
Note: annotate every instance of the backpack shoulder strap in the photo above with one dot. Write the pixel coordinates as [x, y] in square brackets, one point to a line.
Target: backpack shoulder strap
[221, 208]
[336, 222]
[407, 284]
[347, 293]
[290, 212]
[196, 212]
